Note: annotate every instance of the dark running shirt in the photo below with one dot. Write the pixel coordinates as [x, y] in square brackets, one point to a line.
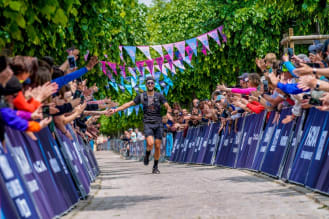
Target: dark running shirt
[151, 106]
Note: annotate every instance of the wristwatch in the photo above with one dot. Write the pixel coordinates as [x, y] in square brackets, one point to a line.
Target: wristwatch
[314, 71]
[317, 86]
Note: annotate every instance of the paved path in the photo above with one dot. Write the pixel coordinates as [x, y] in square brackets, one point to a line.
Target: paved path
[128, 190]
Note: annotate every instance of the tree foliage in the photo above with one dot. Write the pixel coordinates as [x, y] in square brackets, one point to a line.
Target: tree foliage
[253, 28]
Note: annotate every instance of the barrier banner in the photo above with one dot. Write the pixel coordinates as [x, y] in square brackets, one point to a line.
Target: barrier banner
[319, 157]
[225, 145]
[35, 185]
[169, 144]
[75, 162]
[292, 147]
[276, 150]
[266, 140]
[90, 154]
[322, 183]
[197, 146]
[314, 130]
[175, 146]
[212, 143]
[237, 139]
[180, 145]
[185, 147]
[191, 144]
[57, 166]
[255, 136]
[204, 143]
[15, 199]
[7, 207]
[250, 136]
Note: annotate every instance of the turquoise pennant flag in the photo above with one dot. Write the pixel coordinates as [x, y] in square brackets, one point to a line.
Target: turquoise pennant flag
[129, 88]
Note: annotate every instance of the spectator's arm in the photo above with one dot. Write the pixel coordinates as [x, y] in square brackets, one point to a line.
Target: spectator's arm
[290, 88]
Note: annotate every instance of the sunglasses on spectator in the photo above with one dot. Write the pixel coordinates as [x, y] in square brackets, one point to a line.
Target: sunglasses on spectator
[150, 83]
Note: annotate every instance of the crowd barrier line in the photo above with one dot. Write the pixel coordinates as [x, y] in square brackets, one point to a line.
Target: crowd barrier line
[44, 178]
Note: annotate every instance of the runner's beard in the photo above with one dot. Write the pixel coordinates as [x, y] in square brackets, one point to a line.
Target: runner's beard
[150, 89]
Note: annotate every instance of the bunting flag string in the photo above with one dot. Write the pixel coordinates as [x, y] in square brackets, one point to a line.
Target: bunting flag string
[193, 44]
[131, 50]
[158, 48]
[214, 34]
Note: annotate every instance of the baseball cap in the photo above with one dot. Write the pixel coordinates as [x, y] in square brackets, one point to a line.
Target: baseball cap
[312, 49]
[243, 76]
[12, 86]
[150, 78]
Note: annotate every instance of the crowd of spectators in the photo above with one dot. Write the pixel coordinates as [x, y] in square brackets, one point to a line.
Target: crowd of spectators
[36, 93]
[297, 81]
[131, 136]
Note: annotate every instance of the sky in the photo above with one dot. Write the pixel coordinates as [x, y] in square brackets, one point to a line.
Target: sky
[146, 2]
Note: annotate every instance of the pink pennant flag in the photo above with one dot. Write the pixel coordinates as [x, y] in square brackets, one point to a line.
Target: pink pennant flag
[121, 54]
[145, 50]
[169, 60]
[150, 64]
[113, 66]
[103, 66]
[159, 61]
[179, 64]
[189, 51]
[214, 34]
[204, 40]
[170, 50]
[105, 55]
[86, 56]
[181, 48]
[204, 50]
[123, 70]
[158, 48]
[140, 66]
[220, 29]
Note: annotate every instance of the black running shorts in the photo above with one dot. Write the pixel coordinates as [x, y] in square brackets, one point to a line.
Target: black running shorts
[153, 129]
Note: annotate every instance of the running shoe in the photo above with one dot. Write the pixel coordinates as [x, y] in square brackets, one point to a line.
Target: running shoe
[156, 171]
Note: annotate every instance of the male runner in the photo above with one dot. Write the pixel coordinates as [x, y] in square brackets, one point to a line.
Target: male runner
[153, 127]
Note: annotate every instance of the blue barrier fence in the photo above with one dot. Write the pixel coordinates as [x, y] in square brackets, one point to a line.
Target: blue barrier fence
[297, 152]
[44, 178]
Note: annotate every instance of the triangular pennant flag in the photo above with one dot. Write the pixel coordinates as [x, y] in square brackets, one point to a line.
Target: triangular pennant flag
[204, 40]
[188, 61]
[166, 89]
[189, 52]
[181, 47]
[103, 66]
[123, 70]
[204, 50]
[172, 69]
[150, 64]
[136, 109]
[168, 81]
[157, 75]
[156, 67]
[133, 81]
[158, 48]
[170, 50]
[121, 54]
[143, 87]
[220, 29]
[132, 72]
[114, 85]
[157, 86]
[122, 88]
[140, 66]
[129, 88]
[108, 73]
[214, 34]
[179, 64]
[122, 81]
[113, 66]
[169, 60]
[145, 50]
[125, 112]
[162, 83]
[164, 71]
[136, 88]
[131, 50]
[141, 105]
[141, 80]
[120, 113]
[159, 61]
[193, 43]
[86, 55]
[179, 56]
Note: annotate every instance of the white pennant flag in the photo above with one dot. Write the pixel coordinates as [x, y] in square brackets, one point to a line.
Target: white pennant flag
[158, 48]
[145, 50]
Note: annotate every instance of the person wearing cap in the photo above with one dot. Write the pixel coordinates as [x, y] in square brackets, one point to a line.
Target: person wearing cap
[153, 127]
[243, 80]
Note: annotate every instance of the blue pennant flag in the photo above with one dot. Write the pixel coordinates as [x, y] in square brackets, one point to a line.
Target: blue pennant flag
[141, 105]
[157, 75]
[131, 50]
[129, 88]
[143, 87]
[122, 88]
[166, 89]
[157, 86]
[130, 110]
[125, 112]
[120, 113]
[114, 85]
[136, 88]
[141, 80]
[133, 81]
[188, 61]
[168, 81]
[162, 83]
[136, 109]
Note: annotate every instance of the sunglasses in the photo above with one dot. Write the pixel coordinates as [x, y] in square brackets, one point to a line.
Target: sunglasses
[150, 83]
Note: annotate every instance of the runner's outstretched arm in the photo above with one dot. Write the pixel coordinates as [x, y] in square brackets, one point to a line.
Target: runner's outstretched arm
[123, 107]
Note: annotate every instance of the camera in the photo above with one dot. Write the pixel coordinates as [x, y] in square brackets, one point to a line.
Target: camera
[45, 111]
[77, 94]
[265, 83]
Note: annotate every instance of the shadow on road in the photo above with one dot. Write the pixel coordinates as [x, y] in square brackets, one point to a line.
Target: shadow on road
[120, 202]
